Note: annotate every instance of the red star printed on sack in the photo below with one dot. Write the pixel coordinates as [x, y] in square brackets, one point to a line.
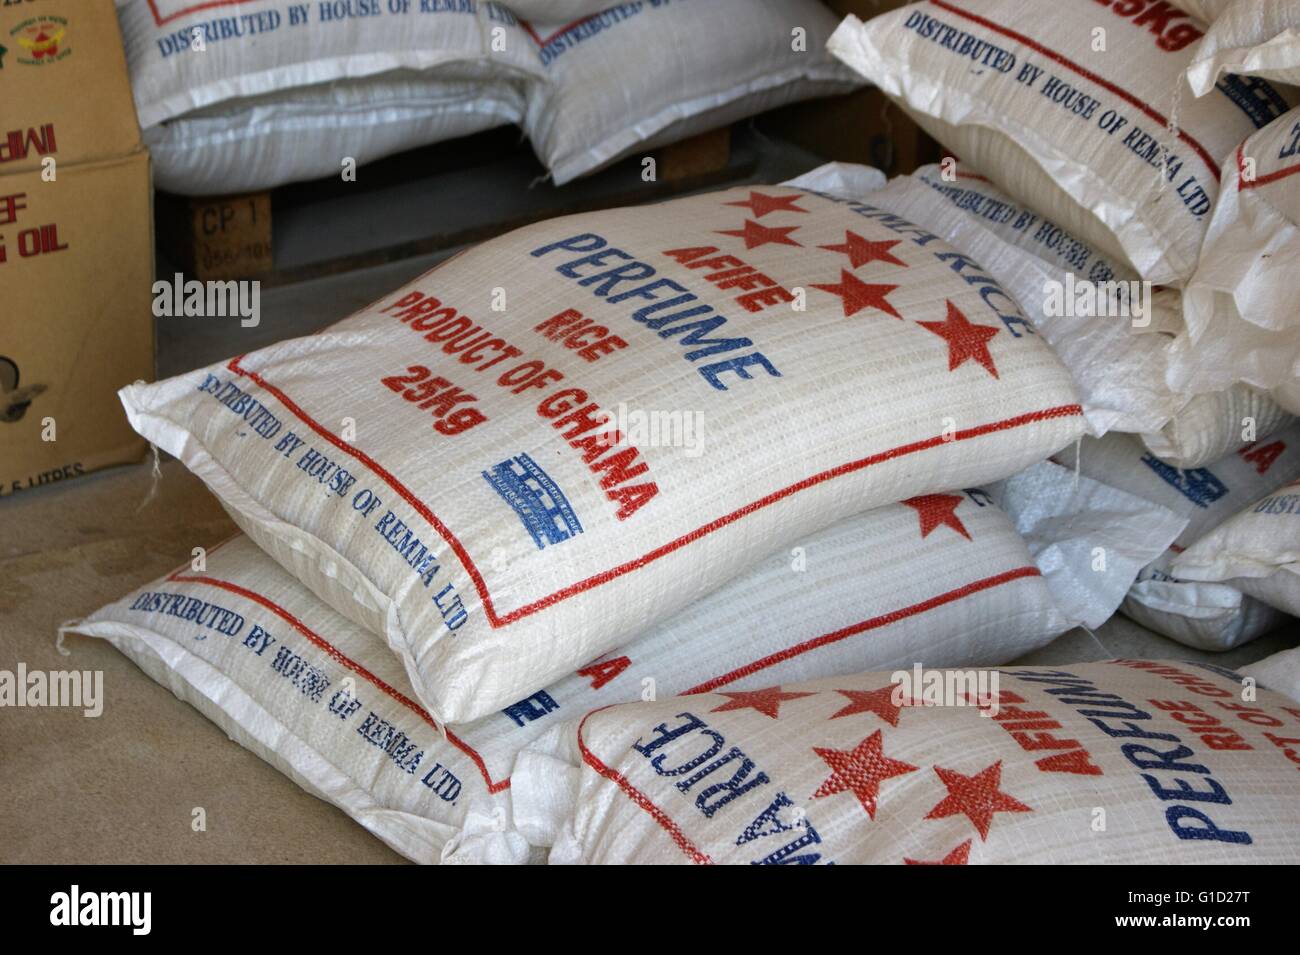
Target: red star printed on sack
[937, 510]
[767, 701]
[761, 204]
[858, 295]
[861, 251]
[755, 234]
[860, 770]
[880, 702]
[958, 856]
[977, 797]
[965, 340]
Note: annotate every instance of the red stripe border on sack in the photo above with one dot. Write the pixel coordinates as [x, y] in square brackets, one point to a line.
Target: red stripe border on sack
[542, 41]
[346, 661]
[500, 620]
[1243, 183]
[1087, 74]
[494, 787]
[160, 20]
[641, 799]
[875, 623]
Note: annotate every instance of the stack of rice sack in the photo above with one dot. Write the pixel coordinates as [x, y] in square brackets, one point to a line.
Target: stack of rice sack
[1073, 114]
[474, 516]
[236, 95]
[1119, 362]
[1121, 382]
[945, 578]
[1240, 307]
[639, 75]
[1081, 118]
[248, 94]
[499, 511]
[1114, 174]
[477, 535]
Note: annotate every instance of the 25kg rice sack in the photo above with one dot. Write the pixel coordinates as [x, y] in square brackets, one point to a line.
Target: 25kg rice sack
[1069, 113]
[640, 75]
[315, 696]
[516, 462]
[1208, 616]
[1251, 38]
[1116, 762]
[1258, 551]
[293, 135]
[1240, 305]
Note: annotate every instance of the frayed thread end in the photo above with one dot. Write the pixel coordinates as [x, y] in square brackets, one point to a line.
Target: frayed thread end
[155, 478]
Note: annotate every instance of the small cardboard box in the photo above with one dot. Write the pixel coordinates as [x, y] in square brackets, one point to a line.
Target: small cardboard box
[76, 243]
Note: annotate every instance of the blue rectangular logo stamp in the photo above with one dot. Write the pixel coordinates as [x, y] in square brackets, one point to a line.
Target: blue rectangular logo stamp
[537, 500]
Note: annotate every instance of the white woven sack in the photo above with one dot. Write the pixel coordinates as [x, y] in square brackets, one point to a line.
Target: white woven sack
[1211, 425]
[1240, 305]
[1280, 672]
[845, 771]
[1251, 38]
[1070, 129]
[293, 135]
[844, 180]
[556, 11]
[1207, 11]
[1208, 616]
[1257, 551]
[256, 47]
[1090, 540]
[640, 75]
[316, 697]
[505, 503]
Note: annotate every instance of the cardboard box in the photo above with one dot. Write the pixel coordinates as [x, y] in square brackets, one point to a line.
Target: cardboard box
[76, 243]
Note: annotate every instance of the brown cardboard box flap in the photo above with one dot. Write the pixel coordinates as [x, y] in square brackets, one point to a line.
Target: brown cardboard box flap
[76, 270]
[64, 85]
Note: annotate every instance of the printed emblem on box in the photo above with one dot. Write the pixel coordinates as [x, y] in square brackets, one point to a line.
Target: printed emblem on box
[41, 40]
